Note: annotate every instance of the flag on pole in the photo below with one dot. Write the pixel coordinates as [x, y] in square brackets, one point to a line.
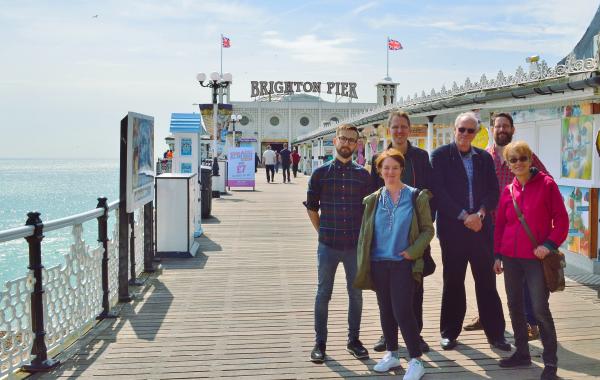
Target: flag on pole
[226, 42]
[394, 45]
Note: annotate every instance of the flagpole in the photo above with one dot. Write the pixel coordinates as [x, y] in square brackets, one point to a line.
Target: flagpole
[221, 55]
[387, 67]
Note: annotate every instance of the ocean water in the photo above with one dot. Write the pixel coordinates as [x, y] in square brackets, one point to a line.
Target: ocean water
[56, 188]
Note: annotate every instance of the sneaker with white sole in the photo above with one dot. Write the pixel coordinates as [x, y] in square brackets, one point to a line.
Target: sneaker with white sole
[415, 370]
[387, 362]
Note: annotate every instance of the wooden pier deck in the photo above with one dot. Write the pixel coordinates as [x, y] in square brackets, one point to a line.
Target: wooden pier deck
[243, 308]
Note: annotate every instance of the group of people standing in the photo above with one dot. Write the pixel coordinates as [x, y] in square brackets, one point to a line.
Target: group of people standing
[284, 157]
[379, 226]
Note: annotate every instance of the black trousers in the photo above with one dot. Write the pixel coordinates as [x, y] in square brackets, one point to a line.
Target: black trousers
[295, 169]
[286, 170]
[270, 169]
[394, 286]
[458, 250]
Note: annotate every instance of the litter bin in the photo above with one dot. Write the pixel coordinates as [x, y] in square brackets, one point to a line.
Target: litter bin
[206, 190]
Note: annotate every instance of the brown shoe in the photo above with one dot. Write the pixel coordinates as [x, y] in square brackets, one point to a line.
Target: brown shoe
[474, 325]
[533, 332]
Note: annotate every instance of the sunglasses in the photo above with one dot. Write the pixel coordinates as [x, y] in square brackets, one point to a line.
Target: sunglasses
[513, 160]
[349, 140]
[468, 130]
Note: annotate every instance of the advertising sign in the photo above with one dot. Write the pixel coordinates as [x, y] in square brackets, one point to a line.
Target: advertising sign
[223, 117]
[577, 203]
[241, 167]
[577, 147]
[186, 147]
[140, 173]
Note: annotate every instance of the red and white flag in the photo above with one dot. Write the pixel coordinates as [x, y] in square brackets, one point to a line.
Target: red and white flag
[394, 45]
[226, 42]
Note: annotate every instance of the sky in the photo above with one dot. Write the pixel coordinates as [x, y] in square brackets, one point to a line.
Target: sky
[71, 70]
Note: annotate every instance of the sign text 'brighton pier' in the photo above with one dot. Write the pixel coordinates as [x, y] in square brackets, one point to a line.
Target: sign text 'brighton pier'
[259, 88]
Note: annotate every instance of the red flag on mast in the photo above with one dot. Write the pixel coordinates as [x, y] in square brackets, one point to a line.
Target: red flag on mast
[394, 45]
[226, 42]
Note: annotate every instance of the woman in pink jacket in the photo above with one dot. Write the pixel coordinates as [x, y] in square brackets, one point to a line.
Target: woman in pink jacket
[542, 206]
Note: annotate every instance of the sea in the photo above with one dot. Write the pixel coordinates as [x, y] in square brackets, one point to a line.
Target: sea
[56, 188]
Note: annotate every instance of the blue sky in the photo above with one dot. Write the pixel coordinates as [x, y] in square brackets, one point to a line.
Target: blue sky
[67, 78]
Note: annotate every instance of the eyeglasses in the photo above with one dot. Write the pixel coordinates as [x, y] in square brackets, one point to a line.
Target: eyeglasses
[468, 130]
[349, 140]
[513, 160]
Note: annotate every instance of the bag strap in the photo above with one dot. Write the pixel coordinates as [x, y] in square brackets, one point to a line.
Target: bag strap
[522, 218]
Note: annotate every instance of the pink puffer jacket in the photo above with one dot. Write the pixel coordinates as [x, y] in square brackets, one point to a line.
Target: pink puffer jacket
[544, 210]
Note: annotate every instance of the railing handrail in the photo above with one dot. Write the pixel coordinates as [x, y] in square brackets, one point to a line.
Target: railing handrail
[16, 233]
[56, 224]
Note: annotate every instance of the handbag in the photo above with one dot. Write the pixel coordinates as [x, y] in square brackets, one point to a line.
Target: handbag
[553, 264]
[428, 263]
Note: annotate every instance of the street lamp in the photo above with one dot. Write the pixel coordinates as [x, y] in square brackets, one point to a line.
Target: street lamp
[215, 82]
[234, 119]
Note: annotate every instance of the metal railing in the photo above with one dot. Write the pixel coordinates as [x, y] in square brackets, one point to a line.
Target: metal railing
[49, 307]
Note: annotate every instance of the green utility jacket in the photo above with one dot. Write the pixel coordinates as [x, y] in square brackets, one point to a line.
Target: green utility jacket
[421, 233]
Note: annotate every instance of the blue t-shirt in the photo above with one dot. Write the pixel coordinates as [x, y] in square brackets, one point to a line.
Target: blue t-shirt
[392, 225]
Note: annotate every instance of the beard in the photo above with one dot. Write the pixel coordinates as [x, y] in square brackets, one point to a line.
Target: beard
[344, 152]
[502, 139]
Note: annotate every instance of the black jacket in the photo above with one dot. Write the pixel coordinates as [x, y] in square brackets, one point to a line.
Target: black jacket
[421, 172]
[451, 188]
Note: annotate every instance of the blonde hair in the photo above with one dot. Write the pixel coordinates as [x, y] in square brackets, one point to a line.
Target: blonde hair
[397, 113]
[519, 148]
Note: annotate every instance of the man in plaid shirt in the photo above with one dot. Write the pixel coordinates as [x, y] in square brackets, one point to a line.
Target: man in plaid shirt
[503, 131]
[337, 188]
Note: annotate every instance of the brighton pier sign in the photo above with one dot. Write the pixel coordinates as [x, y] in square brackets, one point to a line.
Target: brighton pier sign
[259, 88]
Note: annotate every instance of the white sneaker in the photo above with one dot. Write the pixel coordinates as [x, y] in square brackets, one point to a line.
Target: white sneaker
[387, 362]
[415, 370]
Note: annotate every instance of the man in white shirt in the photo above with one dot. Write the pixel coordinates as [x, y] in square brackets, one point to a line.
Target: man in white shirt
[269, 159]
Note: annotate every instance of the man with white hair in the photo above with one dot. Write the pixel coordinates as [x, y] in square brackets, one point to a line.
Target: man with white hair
[466, 191]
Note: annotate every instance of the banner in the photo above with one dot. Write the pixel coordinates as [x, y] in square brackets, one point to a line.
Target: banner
[223, 117]
[241, 167]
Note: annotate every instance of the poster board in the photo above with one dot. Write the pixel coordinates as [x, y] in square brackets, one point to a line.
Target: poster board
[137, 160]
[241, 167]
[581, 208]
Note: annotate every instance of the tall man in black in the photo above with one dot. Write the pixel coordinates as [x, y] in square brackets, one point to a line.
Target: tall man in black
[286, 162]
[466, 190]
[416, 173]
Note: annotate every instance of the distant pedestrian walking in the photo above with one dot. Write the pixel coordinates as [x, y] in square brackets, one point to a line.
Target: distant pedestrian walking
[295, 161]
[277, 161]
[286, 161]
[269, 159]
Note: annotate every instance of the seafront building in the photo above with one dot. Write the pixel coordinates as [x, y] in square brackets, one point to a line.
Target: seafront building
[556, 110]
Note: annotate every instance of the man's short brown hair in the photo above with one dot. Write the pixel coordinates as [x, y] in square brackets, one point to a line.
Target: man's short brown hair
[392, 153]
[506, 115]
[346, 127]
[398, 113]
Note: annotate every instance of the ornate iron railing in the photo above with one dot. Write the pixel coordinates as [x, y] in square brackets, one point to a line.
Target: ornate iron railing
[51, 306]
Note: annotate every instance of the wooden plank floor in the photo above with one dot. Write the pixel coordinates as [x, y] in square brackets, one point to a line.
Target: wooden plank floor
[243, 308]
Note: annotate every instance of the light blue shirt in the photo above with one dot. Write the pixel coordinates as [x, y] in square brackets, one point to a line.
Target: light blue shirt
[392, 225]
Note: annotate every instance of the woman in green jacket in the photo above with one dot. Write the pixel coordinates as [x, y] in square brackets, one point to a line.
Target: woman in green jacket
[394, 233]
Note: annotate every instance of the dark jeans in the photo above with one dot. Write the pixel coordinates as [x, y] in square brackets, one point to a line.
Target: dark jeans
[277, 167]
[286, 169]
[516, 271]
[395, 288]
[328, 259]
[458, 250]
[295, 169]
[270, 169]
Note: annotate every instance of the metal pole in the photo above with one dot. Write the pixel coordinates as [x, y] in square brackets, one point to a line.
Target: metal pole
[40, 363]
[132, 276]
[387, 67]
[148, 237]
[103, 238]
[215, 131]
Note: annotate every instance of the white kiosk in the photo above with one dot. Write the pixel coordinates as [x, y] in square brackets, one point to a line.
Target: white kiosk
[187, 129]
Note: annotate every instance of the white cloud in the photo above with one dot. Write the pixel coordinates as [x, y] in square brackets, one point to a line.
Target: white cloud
[310, 49]
[364, 7]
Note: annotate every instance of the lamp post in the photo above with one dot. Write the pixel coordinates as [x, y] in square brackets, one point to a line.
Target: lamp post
[234, 119]
[215, 82]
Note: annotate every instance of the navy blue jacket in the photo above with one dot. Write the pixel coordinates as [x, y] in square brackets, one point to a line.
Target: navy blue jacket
[451, 188]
